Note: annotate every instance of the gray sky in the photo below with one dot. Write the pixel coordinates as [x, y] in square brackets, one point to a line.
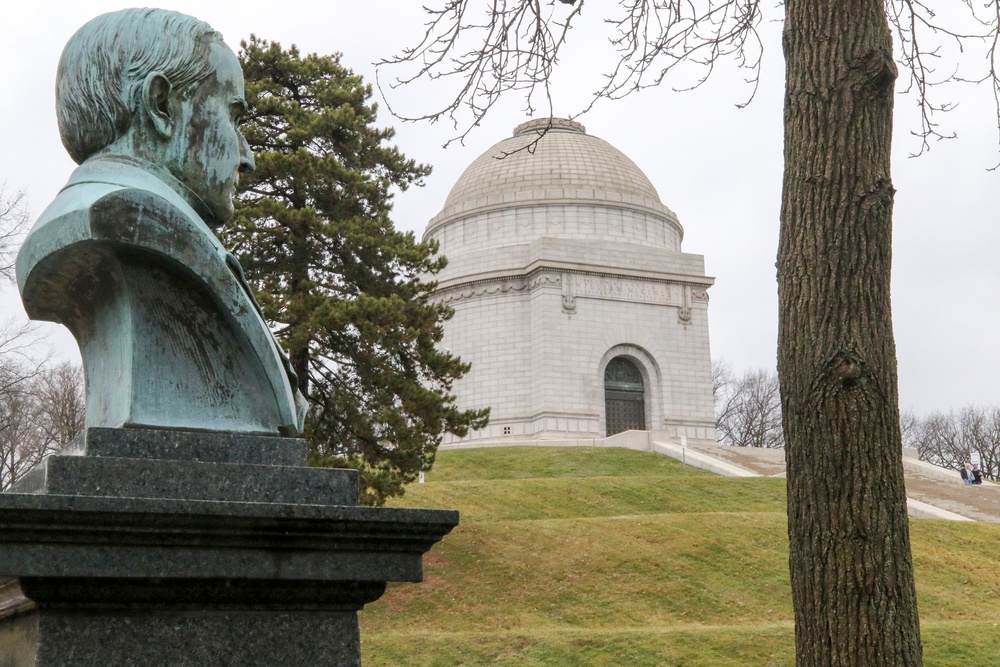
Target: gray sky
[717, 167]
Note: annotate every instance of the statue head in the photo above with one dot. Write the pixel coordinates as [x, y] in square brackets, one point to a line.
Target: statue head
[163, 88]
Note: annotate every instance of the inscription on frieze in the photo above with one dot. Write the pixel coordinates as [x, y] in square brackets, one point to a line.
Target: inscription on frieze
[625, 289]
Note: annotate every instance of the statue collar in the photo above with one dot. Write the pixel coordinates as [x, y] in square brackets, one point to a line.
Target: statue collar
[128, 172]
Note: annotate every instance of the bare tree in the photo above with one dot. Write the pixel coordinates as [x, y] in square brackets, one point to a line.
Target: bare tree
[19, 346]
[16, 341]
[749, 413]
[850, 563]
[722, 378]
[41, 408]
[950, 439]
[939, 442]
[17, 452]
[18, 369]
[61, 404]
[13, 223]
[40, 413]
[990, 450]
[909, 424]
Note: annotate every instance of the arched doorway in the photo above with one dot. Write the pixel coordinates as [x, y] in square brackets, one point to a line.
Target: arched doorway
[624, 397]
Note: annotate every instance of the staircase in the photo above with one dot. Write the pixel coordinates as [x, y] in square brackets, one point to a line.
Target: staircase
[925, 483]
[763, 462]
[932, 492]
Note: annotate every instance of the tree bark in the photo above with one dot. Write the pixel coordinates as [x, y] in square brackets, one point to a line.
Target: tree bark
[849, 548]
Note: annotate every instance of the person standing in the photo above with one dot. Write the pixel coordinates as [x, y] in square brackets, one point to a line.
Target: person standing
[977, 475]
[967, 474]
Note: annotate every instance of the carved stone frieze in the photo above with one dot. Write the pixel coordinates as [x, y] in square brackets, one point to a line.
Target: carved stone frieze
[482, 289]
[544, 280]
[500, 286]
[575, 285]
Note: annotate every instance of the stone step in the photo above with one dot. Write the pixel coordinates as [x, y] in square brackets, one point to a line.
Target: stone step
[935, 486]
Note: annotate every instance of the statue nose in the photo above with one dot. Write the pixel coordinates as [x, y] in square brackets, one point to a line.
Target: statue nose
[247, 164]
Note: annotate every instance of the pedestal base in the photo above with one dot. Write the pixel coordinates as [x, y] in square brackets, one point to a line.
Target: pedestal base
[266, 565]
[122, 638]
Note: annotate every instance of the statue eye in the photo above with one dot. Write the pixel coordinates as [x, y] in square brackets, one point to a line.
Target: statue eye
[239, 113]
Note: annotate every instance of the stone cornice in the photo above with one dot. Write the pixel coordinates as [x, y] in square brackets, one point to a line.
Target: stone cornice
[578, 269]
[667, 289]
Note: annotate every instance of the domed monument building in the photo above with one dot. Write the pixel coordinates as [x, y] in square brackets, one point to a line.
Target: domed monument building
[574, 303]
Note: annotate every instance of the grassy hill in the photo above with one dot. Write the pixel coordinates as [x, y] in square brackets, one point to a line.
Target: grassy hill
[610, 557]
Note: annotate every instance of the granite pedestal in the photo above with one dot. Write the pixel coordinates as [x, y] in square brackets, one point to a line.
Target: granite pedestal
[149, 548]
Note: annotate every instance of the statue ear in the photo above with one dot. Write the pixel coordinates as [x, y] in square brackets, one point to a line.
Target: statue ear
[156, 102]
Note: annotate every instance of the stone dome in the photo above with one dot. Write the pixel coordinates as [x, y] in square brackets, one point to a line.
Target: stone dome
[550, 161]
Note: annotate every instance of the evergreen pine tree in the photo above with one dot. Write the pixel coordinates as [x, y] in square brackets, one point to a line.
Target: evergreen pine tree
[347, 293]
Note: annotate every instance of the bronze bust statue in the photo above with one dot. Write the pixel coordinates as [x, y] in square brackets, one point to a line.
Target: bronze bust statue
[126, 257]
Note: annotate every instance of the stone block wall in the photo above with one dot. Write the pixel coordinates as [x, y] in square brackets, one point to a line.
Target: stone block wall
[539, 365]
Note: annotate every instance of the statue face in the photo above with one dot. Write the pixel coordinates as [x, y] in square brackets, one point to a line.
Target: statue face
[207, 151]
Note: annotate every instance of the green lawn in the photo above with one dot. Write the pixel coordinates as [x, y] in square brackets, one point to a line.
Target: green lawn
[586, 556]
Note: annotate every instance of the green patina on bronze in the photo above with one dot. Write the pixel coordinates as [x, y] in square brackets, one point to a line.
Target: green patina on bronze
[149, 102]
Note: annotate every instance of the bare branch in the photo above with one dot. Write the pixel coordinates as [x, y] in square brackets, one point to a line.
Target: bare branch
[40, 408]
[476, 51]
[13, 225]
[519, 44]
[748, 408]
[655, 38]
[20, 345]
[925, 40]
[516, 46]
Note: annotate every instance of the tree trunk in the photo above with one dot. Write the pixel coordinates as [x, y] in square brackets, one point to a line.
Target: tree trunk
[849, 552]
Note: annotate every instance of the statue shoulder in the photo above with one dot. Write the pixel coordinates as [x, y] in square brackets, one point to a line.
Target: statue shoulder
[89, 221]
[94, 212]
[63, 223]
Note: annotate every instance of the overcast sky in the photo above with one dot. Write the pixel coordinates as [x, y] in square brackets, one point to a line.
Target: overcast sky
[716, 166]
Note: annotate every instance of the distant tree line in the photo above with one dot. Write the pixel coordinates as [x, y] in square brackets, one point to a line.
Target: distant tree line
[748, 414]
[41, 404]
[747, 407]
[950, 439]
[41, 410]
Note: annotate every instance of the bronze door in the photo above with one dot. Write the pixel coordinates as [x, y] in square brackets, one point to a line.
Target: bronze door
[624, 397]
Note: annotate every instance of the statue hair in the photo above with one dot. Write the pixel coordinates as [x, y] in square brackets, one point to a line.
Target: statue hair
[104, 65]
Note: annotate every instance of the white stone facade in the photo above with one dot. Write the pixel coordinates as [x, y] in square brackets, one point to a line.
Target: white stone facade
[560, 259]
